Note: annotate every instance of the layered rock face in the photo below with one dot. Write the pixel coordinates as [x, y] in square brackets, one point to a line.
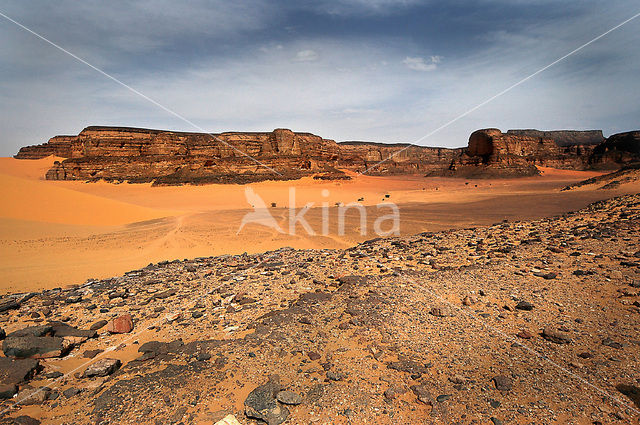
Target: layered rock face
[491, 153]
[168, 157]
[563, 137]
[617, 150]
[56, 146]
[141, 155]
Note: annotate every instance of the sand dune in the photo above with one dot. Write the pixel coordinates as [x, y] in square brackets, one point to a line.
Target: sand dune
[64, 232]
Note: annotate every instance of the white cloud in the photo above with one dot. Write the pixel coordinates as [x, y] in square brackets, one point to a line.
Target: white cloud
[420, 64]
[306, 56]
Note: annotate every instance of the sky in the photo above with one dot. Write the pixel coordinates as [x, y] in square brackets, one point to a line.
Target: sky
[374, 70]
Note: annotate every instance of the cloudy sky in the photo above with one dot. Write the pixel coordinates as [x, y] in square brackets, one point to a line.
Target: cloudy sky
[377, 70]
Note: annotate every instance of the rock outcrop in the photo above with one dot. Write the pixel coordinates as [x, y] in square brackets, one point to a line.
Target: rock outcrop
[563, 137]
[491, 153]
[168, 157]
[617, 150]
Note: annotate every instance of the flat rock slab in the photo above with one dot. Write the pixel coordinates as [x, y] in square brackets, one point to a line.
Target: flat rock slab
[15, 371]
[102, 367]
[35, 347]
[63, 330]
[32, 331]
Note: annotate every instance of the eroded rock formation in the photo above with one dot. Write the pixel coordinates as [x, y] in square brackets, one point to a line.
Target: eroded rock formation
[169, 157]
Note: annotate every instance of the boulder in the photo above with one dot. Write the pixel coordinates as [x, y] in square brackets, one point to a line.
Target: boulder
[120, 325]
[261, 403]
[102, 367]
[34, 347]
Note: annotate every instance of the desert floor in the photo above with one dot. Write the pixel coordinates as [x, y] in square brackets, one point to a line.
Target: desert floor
[54, 234]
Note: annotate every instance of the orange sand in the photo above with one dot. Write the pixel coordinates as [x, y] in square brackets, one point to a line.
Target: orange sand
[62, 233]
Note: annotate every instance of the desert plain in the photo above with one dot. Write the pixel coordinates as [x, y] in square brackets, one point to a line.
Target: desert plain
[61, 233]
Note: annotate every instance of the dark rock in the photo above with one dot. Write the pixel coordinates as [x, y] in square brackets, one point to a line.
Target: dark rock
[35, 347]
[503, 383]
[611, 343]
[32, 331]
[98, 325]
[524, 305]
[63, 330]
[20, 420]
[6, 305]
[89, 354]
[7, 391]
[261, 403]
[15, 371]
[631, 391]
[70, 392]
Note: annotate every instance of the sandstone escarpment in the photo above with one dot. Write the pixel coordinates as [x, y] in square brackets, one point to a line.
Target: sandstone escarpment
[169, 157]
[617, 150]
[491, 153]
[564, 137]
[56, 146]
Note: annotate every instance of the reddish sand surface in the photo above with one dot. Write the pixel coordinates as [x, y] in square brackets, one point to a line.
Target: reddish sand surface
[55, 234]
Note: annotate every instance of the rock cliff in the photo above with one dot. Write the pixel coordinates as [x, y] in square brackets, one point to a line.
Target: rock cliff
[564, 137]
[617, 150]
[168, 157]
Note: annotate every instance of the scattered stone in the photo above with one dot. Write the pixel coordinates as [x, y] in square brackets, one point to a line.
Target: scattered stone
[34, 347]
[503, 383]
[70, 392]
[7, 390]
[556, 336]
[98, 325]
[631, 391]
[423, 394]
[524, 334]
[8, 304]
[524, 305]
[120, 325]
[442, 311]
[289, 397]
[102, 367]
[261, 403]
[15, 371]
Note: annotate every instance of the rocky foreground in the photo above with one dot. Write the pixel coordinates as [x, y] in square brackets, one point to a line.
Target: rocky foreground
[522, 322]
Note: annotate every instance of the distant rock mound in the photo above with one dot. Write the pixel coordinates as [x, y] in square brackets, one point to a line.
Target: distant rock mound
[139, 155]
[564, 138]
[617, 150]
[627, 174]
[492, 153]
